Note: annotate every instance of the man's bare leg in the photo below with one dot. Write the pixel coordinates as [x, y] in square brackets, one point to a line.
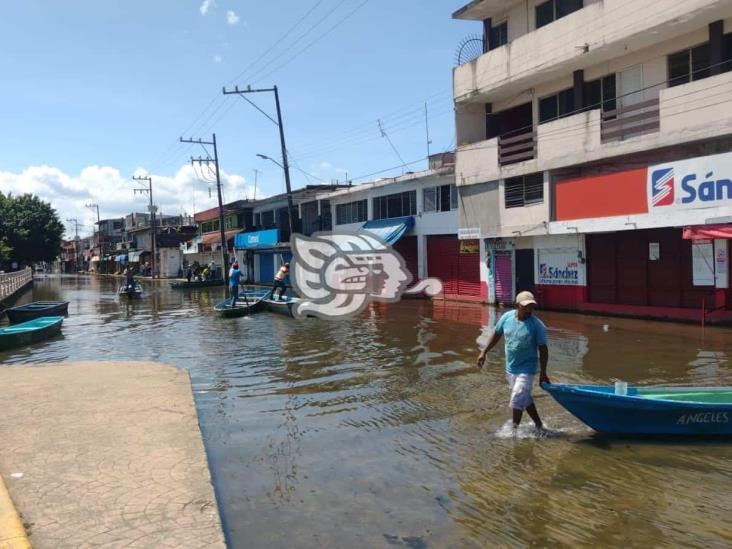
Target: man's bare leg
[531, 410]
[517, 413]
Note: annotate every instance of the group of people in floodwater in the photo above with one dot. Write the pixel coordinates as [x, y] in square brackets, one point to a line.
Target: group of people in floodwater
[207, 272]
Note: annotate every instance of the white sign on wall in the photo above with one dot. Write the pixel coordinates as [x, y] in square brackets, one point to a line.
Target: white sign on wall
[560, 267]
[702, 259]
[703, 182]
[721, 263]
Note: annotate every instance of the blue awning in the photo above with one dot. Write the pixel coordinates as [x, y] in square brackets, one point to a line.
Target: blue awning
[389, 230]
[258, 239]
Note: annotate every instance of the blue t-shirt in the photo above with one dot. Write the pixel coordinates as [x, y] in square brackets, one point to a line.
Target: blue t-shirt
[522, 342]
[234, 276]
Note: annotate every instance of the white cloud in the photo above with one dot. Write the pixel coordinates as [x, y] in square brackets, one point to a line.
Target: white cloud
[232, 18]
[205, 6]
[107, 187]
[217, 59]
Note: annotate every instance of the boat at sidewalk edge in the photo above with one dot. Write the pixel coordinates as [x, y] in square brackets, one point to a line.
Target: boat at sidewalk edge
[33, 331]
[37, 309]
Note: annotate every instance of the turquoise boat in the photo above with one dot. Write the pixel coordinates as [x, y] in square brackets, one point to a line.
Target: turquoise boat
[689, 411]
[29, 332]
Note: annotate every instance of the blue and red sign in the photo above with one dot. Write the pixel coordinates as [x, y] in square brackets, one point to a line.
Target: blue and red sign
[696, 183]
[662, 187]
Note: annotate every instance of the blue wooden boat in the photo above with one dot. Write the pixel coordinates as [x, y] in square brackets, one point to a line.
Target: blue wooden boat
[37, 309]
[29, 332]
[249, 302]
[649, 410]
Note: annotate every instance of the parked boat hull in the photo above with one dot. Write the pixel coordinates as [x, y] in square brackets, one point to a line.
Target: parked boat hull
[194, 285]
[690, 411]
[33, 331]
[37, 309]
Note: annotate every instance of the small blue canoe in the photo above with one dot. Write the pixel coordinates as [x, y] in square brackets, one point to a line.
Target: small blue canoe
[691, 411]
[29, 332]
[37, 309]
[249, 302]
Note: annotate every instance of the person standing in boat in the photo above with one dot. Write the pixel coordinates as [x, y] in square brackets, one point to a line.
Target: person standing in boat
[129, 278]
[234, 279]
[279, 280]
[526, 349]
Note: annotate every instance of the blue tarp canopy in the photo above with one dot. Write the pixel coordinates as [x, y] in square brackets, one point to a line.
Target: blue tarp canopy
[121, 259]
[389, 230]
[257, 239]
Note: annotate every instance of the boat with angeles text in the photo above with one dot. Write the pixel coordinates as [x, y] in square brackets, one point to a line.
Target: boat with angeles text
[691, 411]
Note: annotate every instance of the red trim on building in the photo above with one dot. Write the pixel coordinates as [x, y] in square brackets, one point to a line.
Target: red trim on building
[622, 193]
[561, 297]
[459, 272]
[407, 247]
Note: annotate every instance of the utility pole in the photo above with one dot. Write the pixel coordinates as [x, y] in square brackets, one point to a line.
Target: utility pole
[215, 160]
[151, 207]
[99, 231]
[427, 129]
[256, 173]
[76, 240]
[278, 123]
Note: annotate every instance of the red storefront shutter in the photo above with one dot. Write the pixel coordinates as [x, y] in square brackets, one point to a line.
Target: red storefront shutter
[442, 261]
[601, 273]
[632, 268]
[664, 274]
[407, 247]
[469, 274]
[504, 277]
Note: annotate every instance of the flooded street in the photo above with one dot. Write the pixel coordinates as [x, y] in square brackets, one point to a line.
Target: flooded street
[380, 432]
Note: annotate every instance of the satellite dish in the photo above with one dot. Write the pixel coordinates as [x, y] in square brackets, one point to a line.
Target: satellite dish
[469, 49]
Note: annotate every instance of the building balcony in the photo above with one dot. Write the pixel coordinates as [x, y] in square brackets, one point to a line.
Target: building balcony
[697, 111]
[596, 34]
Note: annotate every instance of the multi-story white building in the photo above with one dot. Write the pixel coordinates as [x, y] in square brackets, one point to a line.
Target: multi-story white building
[593, 159]
[417, 213]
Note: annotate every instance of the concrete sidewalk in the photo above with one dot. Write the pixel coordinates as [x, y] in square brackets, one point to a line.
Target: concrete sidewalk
[106, 454]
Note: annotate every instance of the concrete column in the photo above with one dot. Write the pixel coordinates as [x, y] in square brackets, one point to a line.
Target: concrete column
[579, 89]
[716, 46]
[422, 256]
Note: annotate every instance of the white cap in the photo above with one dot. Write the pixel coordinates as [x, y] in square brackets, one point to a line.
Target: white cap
[525, 298]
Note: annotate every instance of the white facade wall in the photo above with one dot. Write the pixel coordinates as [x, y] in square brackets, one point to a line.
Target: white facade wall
[599, 32]
[425, 223]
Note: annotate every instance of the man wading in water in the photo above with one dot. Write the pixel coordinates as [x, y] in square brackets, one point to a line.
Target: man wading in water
[525, 334]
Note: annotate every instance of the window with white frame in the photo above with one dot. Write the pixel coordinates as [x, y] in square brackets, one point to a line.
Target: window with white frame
[351, 212]
[395, 205]
[442, 198]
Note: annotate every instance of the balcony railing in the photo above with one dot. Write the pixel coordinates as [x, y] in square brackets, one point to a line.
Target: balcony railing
[514, 147]
[629, 120]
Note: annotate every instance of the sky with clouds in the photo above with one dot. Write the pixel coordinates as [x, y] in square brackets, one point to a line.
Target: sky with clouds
[96, 92]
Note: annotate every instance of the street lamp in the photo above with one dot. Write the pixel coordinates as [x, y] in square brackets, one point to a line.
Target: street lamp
[265, 157]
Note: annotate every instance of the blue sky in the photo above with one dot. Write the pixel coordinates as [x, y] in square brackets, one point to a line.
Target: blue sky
[94, 91]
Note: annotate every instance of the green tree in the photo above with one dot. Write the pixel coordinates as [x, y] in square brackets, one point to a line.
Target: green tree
[30, 228]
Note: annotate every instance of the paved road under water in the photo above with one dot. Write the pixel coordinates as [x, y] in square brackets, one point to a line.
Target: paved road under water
[379, 431]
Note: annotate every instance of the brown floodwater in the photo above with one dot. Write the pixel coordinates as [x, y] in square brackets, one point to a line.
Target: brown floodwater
[379, 432]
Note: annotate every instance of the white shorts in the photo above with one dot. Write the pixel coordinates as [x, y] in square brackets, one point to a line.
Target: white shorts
[521, 386]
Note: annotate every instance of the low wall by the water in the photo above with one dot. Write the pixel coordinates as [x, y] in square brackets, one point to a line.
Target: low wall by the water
[15, 282]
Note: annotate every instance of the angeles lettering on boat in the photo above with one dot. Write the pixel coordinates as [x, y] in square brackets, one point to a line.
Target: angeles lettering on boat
[703, 417]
